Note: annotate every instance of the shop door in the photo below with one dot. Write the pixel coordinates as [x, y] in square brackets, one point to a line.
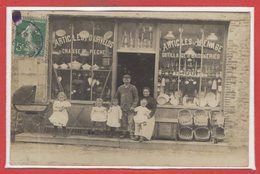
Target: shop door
[140, 67]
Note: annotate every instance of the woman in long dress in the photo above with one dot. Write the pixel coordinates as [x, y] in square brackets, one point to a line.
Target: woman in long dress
[146, 131]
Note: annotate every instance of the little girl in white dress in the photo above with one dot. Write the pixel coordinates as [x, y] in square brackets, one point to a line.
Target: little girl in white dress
[142, 113]
[114, 115]
[60, 116]
[98, 115]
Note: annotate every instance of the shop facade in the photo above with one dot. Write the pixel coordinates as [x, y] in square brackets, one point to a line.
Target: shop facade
[192, 62]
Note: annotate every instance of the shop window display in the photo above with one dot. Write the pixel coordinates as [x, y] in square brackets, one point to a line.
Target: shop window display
[190, 65]
[85, 72]
[136, 35]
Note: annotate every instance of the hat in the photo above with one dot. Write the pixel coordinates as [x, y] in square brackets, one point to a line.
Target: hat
[126, 76]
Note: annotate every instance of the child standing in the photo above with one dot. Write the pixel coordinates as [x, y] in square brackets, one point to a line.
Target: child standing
[98, 115]
[60, 116]
[142, 114]
[114, 116]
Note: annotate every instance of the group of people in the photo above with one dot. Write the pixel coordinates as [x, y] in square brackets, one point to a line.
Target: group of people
[133, 115]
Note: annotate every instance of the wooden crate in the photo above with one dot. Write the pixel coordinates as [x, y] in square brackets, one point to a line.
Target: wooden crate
[166, 128]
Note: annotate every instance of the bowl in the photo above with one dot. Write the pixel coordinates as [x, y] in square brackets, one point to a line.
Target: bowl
[64, 66]
[86, 66]
[75, 65]
[162, 99]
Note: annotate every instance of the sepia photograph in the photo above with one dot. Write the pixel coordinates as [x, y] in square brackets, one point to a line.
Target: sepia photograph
[129, 87]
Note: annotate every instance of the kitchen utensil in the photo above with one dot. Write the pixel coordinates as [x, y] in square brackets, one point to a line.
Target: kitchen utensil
[95, 67]
[211, 99]
[86, 66]
[84, 34]
[64, 66]
[75, 65]
[174, 100]
[163, 99]
[108, 35]
[214, 84]
[55, 66]
[60, 33]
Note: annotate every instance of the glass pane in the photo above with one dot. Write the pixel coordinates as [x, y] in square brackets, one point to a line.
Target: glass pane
[145, 35]
[169, 62]
[190, 63]
[103, 50]
[82, 59]
[61, 46]
[127, 35]
[188, 78]
[212, 63]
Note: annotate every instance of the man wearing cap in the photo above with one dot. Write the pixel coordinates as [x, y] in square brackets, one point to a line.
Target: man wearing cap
[127, 95]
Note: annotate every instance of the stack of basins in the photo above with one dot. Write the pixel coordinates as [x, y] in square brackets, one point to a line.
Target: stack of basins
[185, 125]
[201, 125]
[217, 122]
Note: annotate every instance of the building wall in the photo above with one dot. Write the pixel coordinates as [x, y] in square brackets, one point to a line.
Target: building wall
[236, 101]
[27, 71]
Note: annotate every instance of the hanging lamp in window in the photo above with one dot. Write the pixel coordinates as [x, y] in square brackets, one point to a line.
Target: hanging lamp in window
[191, 53]
[212, 37]
[169, 36]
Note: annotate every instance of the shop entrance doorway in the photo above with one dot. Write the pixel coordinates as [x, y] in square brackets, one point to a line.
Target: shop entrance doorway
[140, 66]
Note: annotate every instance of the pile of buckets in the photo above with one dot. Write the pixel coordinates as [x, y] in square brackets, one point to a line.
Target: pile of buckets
[201, 125]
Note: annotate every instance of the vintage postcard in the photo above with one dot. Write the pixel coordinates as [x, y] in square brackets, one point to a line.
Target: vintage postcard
[130, 87]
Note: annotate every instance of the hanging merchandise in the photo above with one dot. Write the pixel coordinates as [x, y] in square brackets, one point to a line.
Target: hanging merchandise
[163, 82]
[214, 85]
[174, 100]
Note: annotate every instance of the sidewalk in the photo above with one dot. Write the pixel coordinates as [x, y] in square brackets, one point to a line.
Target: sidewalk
[125, 143]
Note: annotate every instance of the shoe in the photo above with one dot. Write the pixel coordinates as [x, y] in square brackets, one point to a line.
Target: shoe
[132, 137]
[136, 138]
[142, 139]
[124, 135]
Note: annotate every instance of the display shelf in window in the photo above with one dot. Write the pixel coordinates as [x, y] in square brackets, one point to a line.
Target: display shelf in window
[83, 63]
[190, 66]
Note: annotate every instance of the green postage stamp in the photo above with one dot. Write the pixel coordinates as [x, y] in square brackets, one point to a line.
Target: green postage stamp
[29, 38]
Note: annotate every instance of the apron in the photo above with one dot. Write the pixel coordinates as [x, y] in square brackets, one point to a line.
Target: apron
[147, 130]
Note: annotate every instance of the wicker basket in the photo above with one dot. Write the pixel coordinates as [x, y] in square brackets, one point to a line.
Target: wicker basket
[185, 118]
[218, 133]
[202, 134]
[201, 118]
[185, 133]
[217, 119]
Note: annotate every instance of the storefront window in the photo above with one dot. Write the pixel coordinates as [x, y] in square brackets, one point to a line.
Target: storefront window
[85, 72]
[136, 35]
[190, 65]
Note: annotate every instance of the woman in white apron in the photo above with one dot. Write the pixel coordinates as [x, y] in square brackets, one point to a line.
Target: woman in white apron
[146, 131]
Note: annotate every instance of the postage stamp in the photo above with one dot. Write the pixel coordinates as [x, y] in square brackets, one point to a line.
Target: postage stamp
[29, 38]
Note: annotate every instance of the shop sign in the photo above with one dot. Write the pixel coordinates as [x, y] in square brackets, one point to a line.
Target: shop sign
[84, 52]
[193, 43]
[86, 37]
[176, 55]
